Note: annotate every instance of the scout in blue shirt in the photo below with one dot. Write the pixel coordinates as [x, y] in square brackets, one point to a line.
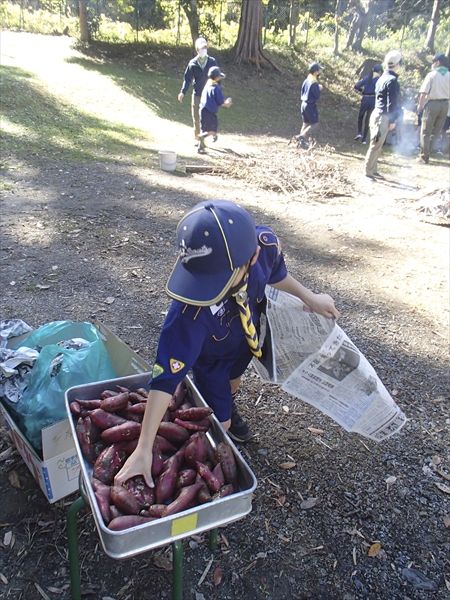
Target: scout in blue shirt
[366, 86]
[212, 99]
[309, 96]
[218, 290]
[197, 74]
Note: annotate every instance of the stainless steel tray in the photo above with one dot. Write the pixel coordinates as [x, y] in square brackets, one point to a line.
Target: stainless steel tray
[135, 540]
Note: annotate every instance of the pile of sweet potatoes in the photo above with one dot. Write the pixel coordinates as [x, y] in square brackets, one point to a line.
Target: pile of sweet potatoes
[186, 469]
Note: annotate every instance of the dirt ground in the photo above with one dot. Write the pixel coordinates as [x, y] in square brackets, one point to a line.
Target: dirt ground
[76, 234]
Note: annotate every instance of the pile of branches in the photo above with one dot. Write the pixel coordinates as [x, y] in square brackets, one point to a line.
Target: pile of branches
[299, 174]
[435, 206]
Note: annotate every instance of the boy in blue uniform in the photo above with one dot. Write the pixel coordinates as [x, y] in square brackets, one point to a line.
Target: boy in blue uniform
[309, 96]
[218, 290]
[367, 88]
[212, 99]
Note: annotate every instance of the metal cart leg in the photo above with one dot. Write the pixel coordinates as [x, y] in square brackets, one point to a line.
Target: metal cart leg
[213, 539]
[177, 550]
[74, 565]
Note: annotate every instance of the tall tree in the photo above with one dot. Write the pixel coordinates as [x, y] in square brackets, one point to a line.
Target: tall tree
[336, 27]
[249, 47]
[190, 7]
[429, 42]
[363, 24]
[84, 28]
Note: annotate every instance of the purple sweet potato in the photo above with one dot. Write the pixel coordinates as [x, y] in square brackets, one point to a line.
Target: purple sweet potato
[218, 472]
[108, 394]
[204, 495]
[138, 408]
[195, 451]
[224, 454]
[125, 500]
[142, 392]
[85, 441]
[75, 408]
[104, 507]
[183, 501]
[93, 430]
[156, 510]
[105, 420]
[115, 512]
[136, 398]
[89, 404]
[101, 489]
[174, 433]
[165, 446]
[127, 521]
[109, 463]
[115, 403]
[144, 495]
[178, 397]
[225, 490]
[211, 480]
[158, 461]
[165, 483]
[123, 432]
[201, 425]
[196, 413]
[185, 477]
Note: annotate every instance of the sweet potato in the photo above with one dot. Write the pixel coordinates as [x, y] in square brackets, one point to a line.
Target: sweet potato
[185, 477]
[138, 408]
[196, 413]
[165, 484]
[121, 388]
[204, 495]
[201, 425]
[123, 432]
[183, 501]
[105, 420]
[157, 462]
[218, 472]
[142, 392]
[156, 510]
[85, 441]
[178, 397]
[225, 490]
[144, 495]
[75, 408]
[165, 446]
[108, 394]
[195, 451]
[130, 416]
[136, 398]
[185, 406]
[127, 521]
[109, 463]
[88, 404]
[104, 507]
[115, 403]
[211, 480]
[124, 500]
[224, 454]
[101, 488]
[93, 430]
[129, 446]
[174, 433]
[115, 512]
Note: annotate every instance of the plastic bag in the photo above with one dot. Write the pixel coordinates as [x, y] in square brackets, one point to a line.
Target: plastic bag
[56, 370]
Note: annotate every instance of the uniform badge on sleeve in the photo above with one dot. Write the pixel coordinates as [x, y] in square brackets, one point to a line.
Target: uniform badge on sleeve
[157, 371]
[176, 365]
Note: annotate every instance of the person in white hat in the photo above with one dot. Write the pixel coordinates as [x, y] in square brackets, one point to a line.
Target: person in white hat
[386, 112]
[197, 74]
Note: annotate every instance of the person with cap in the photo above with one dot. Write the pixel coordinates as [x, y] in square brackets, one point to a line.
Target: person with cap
[434, 95]
[217, 288]
[197, 74]
[212, 99]
[386, 112]
[366, 86]
[309, 96]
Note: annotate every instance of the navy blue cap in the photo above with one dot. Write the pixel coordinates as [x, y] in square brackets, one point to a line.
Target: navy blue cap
[215, 239]
[313, 67]
[215, 72]
[378, 67]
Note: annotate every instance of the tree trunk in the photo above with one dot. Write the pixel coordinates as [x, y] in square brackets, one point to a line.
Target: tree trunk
[248, 47]
[84, 29]
[336, 28]
[353, 28]
[363, 24]
[293, 21]
[190, 8]
[429, 43]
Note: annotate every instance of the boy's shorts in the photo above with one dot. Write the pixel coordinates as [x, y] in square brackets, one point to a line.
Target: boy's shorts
[208, 121]
[213, 381]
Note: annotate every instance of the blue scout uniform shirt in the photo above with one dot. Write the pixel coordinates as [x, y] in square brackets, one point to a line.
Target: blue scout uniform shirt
[387, 92]
[212, 97]
[367, 85]
[210, 339]
[198, 74]
[310, 91]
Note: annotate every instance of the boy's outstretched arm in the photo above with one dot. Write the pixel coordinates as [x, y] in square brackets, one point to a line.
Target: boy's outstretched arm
[140, 462]
[322, 304]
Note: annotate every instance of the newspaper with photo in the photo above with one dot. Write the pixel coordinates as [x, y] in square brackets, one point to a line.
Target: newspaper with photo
[314, 360]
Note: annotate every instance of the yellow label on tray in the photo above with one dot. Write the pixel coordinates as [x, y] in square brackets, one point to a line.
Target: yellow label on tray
[184, 524]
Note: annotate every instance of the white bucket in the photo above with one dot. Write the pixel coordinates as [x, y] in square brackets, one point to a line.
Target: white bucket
[167, 160]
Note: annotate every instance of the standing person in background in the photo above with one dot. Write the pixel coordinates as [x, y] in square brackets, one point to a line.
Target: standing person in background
[433, 100]
[386, 112]
[197, 74]
[310, 94]
[366, 86]
[212, 99]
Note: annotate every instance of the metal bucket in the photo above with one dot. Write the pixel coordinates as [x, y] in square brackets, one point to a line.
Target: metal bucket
[167, 160]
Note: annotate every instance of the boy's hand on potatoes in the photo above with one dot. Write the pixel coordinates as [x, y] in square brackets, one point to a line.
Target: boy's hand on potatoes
[139, 463]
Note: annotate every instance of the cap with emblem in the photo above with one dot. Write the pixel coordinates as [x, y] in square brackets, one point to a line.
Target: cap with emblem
[215, 239]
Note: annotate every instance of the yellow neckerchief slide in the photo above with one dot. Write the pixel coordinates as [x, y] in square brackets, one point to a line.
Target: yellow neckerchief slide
[248, 326]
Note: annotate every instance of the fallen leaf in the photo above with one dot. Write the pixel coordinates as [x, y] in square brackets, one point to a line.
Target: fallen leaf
[447, 521]
[41, 591]
[316, 431]
[14, 480]
[374, 549]
[444, 488]
[281, 500]
[391, 480]
[288, 465]
[162, 562]
[3, 579]
[436, 460]
[109, 300]
[217, 577]
[444, 475]
[309, 503]
[54, 590]
[224, 540]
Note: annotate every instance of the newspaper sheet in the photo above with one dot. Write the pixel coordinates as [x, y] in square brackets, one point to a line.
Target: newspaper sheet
[317, 362]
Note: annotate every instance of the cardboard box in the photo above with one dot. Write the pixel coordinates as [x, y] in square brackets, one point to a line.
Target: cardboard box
[58, 472]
